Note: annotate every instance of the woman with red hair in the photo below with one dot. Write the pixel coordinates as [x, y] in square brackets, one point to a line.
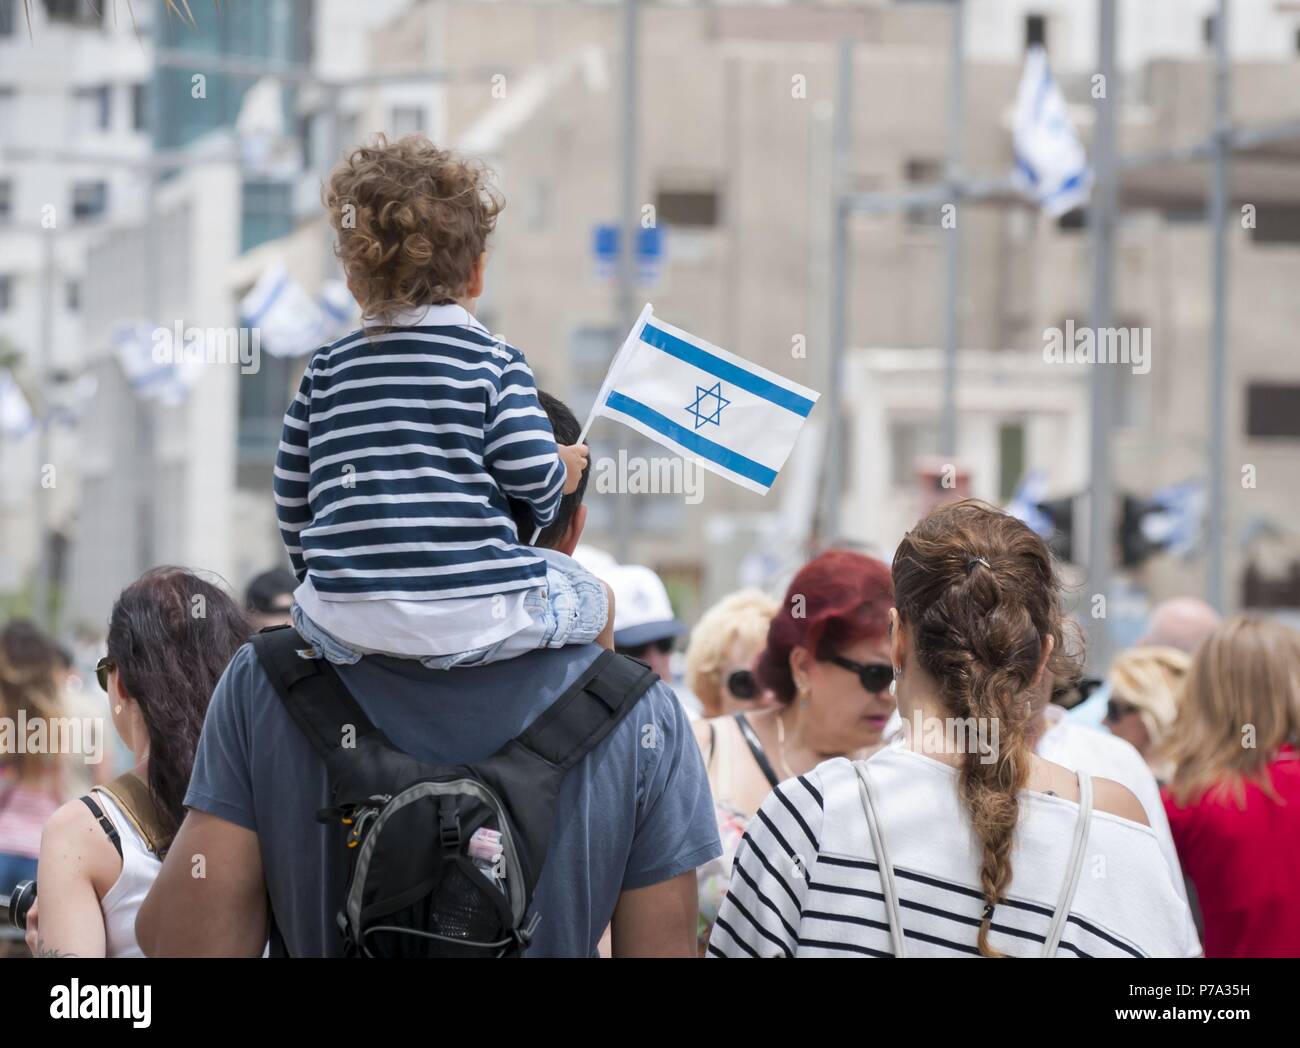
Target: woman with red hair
[827, 662]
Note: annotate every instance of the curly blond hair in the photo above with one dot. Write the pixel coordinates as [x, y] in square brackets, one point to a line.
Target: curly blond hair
[742, 616]
[411, 221]
[1151, 678]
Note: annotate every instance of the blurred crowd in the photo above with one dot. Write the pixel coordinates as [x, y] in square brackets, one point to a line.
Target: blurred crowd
[1198, 721]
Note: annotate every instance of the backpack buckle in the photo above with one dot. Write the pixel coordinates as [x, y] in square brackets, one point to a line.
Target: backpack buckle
[448, 825]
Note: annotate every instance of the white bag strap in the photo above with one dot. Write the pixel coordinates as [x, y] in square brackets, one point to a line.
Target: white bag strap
[1075, 867]
[888, 888]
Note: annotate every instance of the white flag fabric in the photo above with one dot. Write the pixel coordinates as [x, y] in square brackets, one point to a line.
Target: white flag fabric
[1176, 518]
[291, 322]
[1031, 490]
[1051, 165]
[733, 417]
[16, 418]
[154, 363]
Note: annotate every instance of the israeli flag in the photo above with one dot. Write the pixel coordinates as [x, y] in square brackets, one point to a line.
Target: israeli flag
[291, 322]
[1175, 518]
[1031, 490]
[733, 417]
[1051, 165]
[16, 418]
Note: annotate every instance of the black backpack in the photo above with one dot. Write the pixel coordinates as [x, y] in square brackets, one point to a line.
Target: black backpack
[443, 860]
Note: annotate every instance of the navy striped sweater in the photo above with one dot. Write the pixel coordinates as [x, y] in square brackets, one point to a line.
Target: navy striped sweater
[396, 459]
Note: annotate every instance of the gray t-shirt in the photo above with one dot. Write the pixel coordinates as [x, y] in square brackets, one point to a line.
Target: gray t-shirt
[634, 812]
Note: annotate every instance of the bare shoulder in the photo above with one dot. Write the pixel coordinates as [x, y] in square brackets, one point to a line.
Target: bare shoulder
[1116, 799]
[69, 823]
[74, 841]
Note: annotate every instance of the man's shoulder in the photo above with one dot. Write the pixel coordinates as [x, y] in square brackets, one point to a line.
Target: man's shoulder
[244, 685]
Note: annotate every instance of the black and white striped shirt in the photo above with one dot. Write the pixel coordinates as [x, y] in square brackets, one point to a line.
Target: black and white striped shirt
[805, 882]
[397, 456]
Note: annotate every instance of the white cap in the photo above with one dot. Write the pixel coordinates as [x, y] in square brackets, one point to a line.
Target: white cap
[642, 612]
[594, 559]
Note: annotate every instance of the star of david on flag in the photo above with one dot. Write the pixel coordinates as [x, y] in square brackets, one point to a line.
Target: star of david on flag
[735, 418]
[705, 410]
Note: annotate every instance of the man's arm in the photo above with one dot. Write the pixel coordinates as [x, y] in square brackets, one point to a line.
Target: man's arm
[658, 921]
[210, 897]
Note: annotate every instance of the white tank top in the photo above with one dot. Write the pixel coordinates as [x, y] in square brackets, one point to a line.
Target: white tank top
[122, 901]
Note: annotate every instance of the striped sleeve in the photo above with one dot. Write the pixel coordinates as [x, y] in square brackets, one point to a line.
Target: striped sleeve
[519, 446]
[763, 909]
[292, 471]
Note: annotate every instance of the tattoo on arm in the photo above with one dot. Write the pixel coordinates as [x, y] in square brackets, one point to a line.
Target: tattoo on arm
[49, 951]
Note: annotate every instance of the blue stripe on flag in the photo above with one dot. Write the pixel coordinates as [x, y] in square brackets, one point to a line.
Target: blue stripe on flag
[693, 442]
[719, 368]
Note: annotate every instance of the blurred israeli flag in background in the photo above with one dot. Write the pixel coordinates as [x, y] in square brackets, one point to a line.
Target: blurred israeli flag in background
[1031, 490]
[293, 323]
[1051, 165]
[1175, 518]
[733, 417]
[16, 418]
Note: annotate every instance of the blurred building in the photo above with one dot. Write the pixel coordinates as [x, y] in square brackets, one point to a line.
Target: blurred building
[161, 477]
[73, 145]
[735, 137]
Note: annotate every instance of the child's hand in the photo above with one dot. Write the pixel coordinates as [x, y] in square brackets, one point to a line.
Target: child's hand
[574, 457]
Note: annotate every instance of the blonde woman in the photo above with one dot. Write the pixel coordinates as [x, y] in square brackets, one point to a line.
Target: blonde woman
[1144, 686]
[31, 783]
[1234, 799]
[723, 647]
[950, 845]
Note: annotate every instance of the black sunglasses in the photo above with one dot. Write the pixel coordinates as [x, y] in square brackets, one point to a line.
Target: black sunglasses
[743, 684]
[1117, 711]
[101, 671]
[664, 647]
[875, 676]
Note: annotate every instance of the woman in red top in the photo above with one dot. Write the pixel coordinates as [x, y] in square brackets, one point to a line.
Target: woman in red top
[1234, 800]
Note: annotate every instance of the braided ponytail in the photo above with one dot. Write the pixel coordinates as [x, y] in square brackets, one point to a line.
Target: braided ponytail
[977, 589]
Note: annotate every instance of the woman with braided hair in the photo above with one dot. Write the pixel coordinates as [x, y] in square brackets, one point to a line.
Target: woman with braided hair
[958, 840]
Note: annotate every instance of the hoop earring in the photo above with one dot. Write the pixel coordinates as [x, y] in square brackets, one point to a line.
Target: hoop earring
[893, 684]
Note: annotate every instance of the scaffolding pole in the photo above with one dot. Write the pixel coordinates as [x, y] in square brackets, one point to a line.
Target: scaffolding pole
[952, 241]
[838, 334]
[1218, 369]
[629, 228]
[1102, 219]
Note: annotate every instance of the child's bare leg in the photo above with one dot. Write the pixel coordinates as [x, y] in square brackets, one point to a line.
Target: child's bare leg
[606, 636]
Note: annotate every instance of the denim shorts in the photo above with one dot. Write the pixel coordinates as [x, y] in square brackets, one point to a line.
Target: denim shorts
[571, 608]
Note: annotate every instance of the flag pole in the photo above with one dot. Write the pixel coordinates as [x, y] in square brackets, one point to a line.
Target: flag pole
[646, 312]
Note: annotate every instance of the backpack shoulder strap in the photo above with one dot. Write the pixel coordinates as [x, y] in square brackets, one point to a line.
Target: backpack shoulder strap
[1073, 868]
[887, 886]
[589, 710]
[311, 690]
[132, 795]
